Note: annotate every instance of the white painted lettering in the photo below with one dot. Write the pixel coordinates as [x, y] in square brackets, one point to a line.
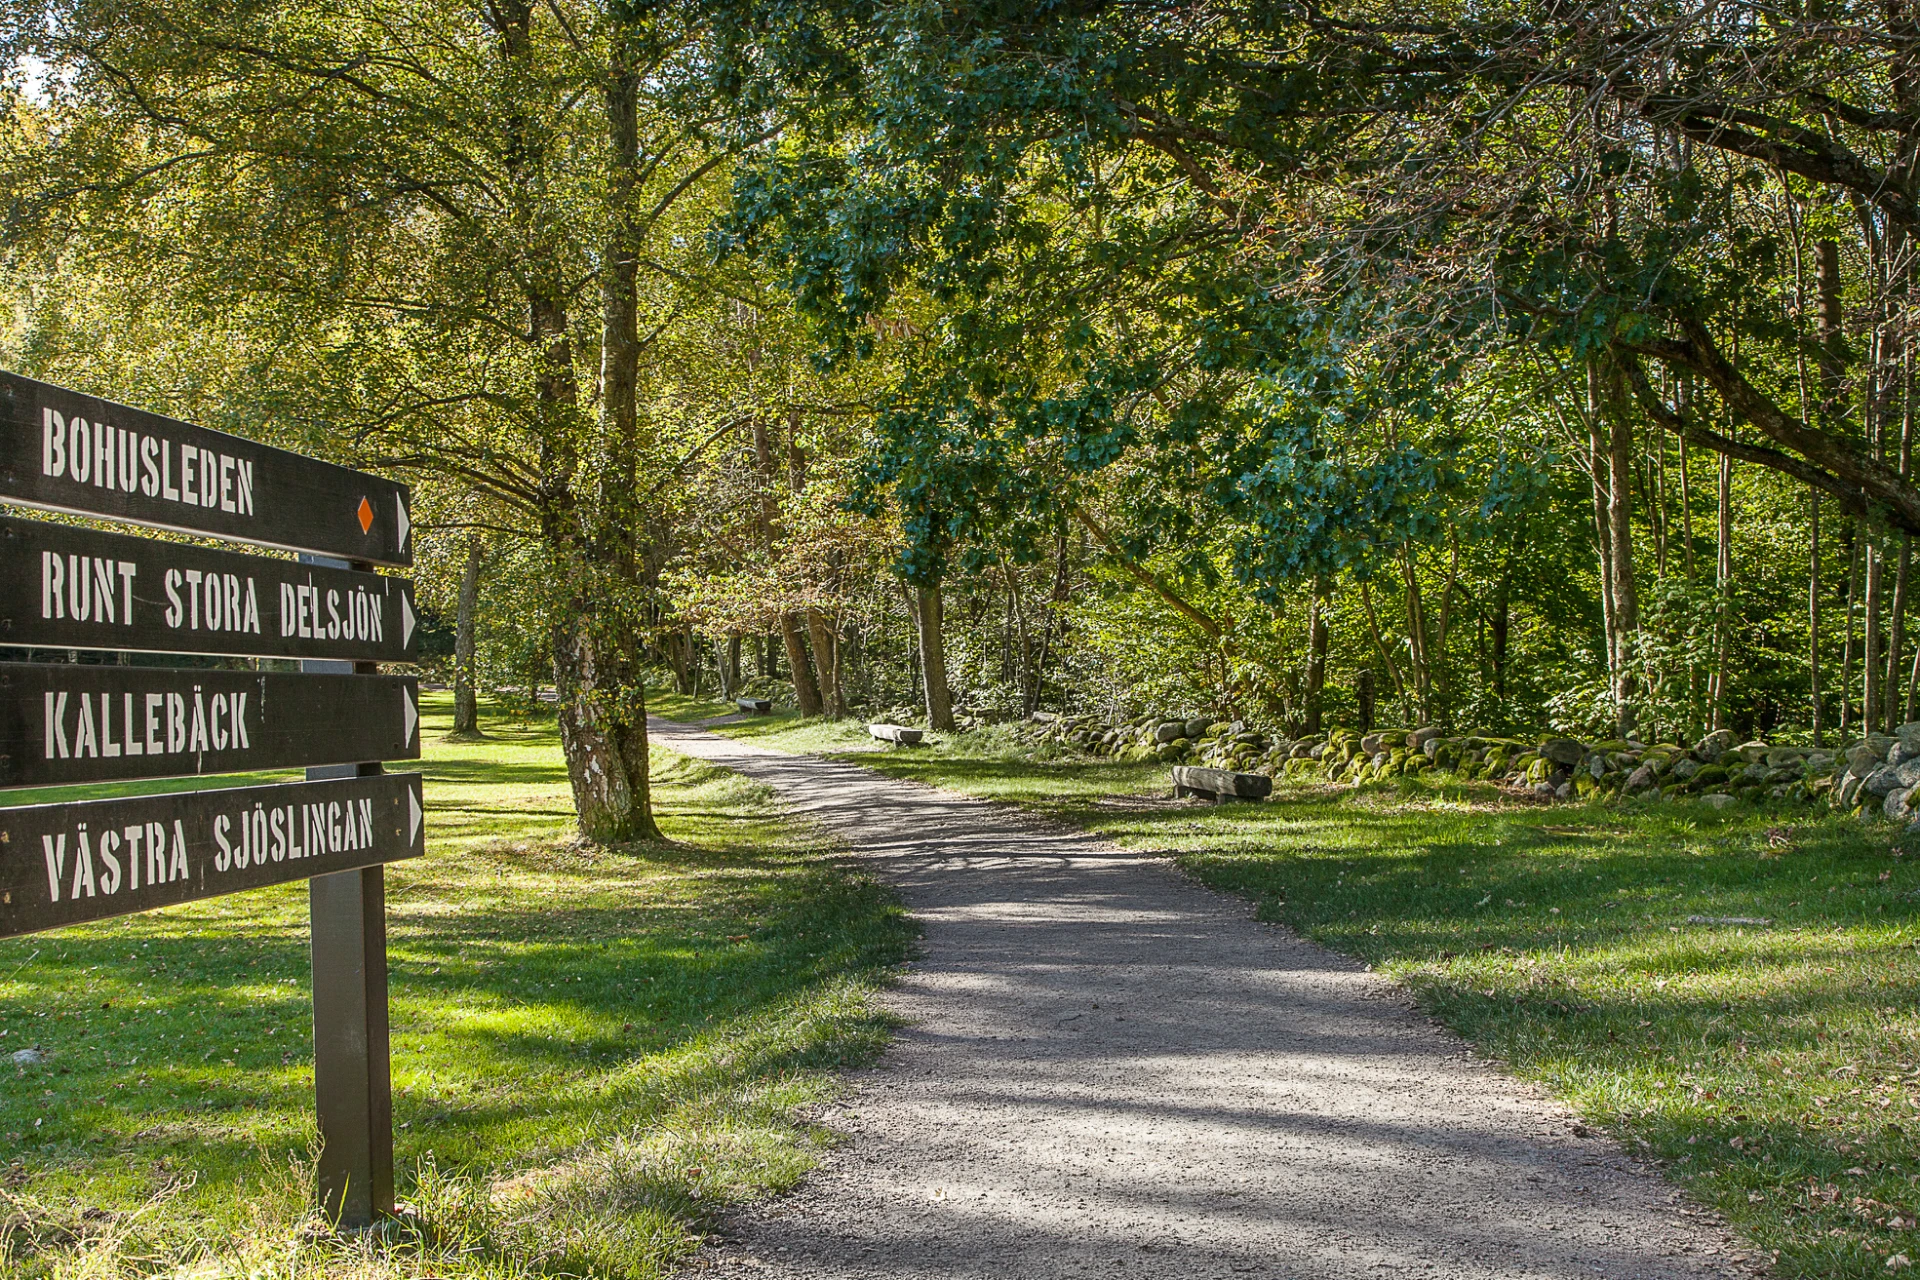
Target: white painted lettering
[56, 726]
[56, 855]
[134, 834]
[82, 866]
[53, 443]
[176, 724]
[108, 747]
[174, 608]
[53, 583]
[85, 742]
[110, 875]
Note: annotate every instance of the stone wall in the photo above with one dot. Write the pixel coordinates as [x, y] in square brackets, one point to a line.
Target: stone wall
[1880, 775]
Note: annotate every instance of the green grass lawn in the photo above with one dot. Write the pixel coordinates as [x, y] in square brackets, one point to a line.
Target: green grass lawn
[1774, 1069]
[593, 1049]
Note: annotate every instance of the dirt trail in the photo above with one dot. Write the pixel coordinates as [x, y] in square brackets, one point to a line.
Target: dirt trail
[1111, 1070]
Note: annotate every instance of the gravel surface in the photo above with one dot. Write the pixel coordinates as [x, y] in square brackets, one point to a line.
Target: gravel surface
[1110, 1070]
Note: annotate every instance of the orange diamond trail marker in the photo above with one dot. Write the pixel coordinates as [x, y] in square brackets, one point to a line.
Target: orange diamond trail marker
[366, 515]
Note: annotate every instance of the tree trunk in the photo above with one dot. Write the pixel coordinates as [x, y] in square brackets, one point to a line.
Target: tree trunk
[1813, 617]
[1602, 525]
[1626, 602]
[1723, 605]
[733, 663]
[601, 709]
[826, 664]
[933, 658]
[1896, 637]
[1872, 656]
[1846, 644]
[466, 700]
[603, 730]
[1501, 621]
[806, 693]
[1316, 680]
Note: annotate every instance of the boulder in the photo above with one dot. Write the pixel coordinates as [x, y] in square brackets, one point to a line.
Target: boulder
[1419, 738]
[1880, 782]
[1861, 757]
[1895, 805]
[1909, 736]
[1908, 772]
[1596, 765]
[1718, 800]
[1196, 727]
[1169, 731]
[1714, 745]
[1640, 779]
[1563, 751]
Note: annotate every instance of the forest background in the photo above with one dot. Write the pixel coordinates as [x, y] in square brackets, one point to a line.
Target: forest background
[1506, 367]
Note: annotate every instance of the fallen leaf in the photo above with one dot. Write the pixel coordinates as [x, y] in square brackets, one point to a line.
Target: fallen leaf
[1899, 1262]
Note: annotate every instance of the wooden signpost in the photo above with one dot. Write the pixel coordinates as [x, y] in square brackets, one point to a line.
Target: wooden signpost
[68, 587]
[64, 587]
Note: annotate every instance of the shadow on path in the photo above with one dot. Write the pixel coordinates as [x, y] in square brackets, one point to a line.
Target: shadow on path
[1114, 1071]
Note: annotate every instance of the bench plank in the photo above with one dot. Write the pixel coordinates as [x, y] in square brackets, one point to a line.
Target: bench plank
[756, 706]
[898, 734]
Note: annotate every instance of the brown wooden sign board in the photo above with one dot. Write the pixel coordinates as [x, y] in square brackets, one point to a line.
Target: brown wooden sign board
[66, 587]
[67, 723]
[63, 864]
[64, 451]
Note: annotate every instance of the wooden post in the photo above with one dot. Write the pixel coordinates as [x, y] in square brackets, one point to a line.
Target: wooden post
[352, 1083]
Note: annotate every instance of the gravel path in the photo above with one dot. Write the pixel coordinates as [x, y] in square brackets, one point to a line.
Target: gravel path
[1113, 1071]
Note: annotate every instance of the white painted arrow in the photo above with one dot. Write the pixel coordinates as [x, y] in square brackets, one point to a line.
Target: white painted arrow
[411, 714]
[413, 816]
[406, 524]
[406, 620]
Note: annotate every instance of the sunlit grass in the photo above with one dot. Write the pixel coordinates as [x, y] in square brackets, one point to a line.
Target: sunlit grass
[593, 1048]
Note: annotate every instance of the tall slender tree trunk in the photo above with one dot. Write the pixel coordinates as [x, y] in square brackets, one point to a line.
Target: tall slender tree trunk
[826, 663]
[1599, 468]
[466, 699]
[1723, 605]
[1626, 601]
[1846, 645]
[931, 623]
[1498, 626]
[806, 693]
[1813, 617]
[733, 663]
[1316, 681]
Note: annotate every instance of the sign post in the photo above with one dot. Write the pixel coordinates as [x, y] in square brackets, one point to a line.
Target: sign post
[65, 587]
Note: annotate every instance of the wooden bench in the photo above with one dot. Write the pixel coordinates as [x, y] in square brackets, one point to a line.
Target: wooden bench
[900, 735]
[1220, 785]
[755, 706]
